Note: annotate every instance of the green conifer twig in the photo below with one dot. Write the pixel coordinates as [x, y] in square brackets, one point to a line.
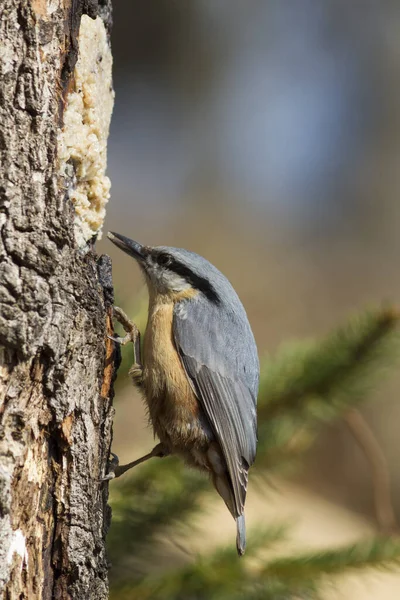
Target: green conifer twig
[334, 371]
[378, 553]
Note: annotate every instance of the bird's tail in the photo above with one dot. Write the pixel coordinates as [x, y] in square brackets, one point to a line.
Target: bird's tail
[241, 535]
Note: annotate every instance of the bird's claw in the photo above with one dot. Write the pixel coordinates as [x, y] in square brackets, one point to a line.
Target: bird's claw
[112, 467]
[116, 470]
[132, 332]
[120, 340]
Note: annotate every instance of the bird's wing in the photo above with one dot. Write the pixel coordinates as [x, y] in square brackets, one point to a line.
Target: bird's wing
[219, 355]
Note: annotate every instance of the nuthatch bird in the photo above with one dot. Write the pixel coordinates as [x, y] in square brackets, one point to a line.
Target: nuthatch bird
[200, 370]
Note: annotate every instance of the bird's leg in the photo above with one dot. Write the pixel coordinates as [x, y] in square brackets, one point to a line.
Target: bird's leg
[132, 335]
[116, 470]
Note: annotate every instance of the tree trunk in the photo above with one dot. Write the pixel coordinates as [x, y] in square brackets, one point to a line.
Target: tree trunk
[56, 364]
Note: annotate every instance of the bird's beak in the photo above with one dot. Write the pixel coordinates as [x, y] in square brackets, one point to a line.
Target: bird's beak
[129, 246]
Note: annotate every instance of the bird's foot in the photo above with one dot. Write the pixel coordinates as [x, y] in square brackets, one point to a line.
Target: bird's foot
[132, 335]
[116, 470]
[132, 332]
[112, 466]
[136, 373]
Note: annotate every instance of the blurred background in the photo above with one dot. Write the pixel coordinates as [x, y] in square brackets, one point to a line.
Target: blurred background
[265, 135]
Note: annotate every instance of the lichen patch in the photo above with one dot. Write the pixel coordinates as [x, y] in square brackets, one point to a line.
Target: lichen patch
[82, 142]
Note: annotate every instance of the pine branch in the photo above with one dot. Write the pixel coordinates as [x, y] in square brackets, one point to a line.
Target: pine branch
[157, 496]
[223, 576]
[216, 576]
[379, 553]
[256, 590]
[282, 441]
[309, 382]
[320, 379]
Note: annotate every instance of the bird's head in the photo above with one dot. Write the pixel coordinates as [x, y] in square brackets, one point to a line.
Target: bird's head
[172, 271]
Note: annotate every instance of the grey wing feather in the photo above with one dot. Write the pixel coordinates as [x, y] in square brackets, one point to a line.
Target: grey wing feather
[219, 354]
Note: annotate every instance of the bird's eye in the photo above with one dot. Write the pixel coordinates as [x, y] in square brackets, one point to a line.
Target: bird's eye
[164, 260]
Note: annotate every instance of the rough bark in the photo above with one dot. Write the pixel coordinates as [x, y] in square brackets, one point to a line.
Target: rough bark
[56, 363]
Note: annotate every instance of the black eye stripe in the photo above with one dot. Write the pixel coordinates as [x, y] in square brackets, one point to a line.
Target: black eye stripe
[196, 281]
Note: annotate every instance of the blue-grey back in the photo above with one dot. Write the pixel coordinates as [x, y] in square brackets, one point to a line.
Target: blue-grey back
[230, 348]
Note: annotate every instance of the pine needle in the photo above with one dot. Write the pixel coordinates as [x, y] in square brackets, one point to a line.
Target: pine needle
[154, 498]
[320, 379]
[379, 553]
[219, 575]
